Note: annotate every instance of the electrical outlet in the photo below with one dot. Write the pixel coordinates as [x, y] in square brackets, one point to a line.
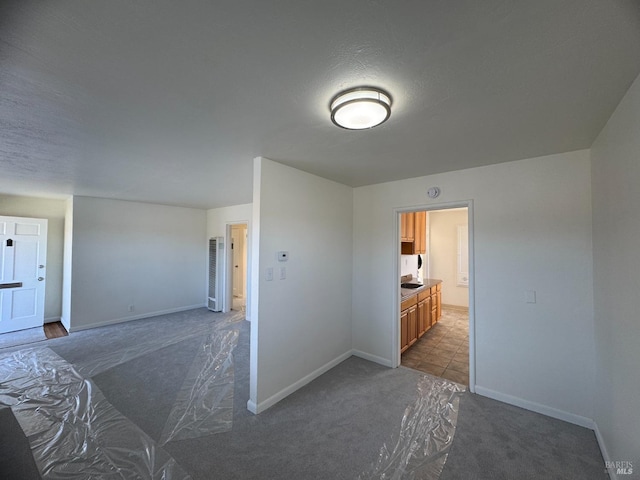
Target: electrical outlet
[269, 274]
[283, 273]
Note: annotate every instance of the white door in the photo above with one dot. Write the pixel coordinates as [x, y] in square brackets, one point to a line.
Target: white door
[23, 257]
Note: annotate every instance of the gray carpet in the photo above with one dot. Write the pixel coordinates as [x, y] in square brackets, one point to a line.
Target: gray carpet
[22, 337]
[331, 429]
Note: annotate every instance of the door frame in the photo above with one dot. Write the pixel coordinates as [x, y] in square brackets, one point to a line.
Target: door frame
[228, 268]
[396, 355]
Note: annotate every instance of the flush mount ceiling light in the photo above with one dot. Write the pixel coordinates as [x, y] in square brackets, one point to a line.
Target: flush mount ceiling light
[360, 108]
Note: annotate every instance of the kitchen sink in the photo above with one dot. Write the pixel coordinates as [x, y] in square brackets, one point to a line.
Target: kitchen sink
[410, 285]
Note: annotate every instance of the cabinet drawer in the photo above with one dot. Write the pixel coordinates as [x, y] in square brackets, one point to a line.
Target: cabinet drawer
[434, 289]
[409, 302]
[438, 287]
[424, 294]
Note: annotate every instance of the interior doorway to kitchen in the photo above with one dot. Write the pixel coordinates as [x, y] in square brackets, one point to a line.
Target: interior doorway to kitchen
[434, 321]
[237, 267]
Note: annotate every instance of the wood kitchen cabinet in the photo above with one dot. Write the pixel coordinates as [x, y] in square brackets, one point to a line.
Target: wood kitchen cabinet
[407, 227]
[424, 312]
[413, 233]
[412, 334]
[404, 330]
[418, 313]
[420, 233]
[434, 306]
[408, 322]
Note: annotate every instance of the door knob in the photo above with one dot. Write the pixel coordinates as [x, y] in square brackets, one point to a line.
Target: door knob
[40, 279]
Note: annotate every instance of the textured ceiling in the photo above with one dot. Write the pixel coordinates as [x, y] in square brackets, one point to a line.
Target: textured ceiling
[169, 102]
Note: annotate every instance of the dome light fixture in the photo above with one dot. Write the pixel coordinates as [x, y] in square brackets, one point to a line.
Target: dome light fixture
[360, 108]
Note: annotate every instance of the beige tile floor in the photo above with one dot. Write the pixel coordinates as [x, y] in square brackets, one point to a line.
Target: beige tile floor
[444, 350]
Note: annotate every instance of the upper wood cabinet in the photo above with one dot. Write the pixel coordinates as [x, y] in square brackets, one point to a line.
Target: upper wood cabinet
[413, 233]
[407, 227]
[420, 233]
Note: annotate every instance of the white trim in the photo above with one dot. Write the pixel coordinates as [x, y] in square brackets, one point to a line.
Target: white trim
[373, 358]
[537, 407]
[613, 475]
[65, 323]
[134, 317]
[285, 392]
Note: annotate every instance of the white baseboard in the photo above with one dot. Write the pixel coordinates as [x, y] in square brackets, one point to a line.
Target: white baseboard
[537, 407]
[65, 323]
[613, 475]
[373, 358]
[52, 319]
[285, 392]
[133, 317]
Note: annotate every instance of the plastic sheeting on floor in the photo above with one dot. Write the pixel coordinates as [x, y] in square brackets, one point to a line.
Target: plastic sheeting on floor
[106, 361]
[205, 402]
[71, 427]
[426, 434]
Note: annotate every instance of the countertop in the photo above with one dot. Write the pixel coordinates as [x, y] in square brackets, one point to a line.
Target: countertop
[426, 283]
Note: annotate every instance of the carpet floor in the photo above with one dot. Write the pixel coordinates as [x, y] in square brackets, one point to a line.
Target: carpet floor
[333, 428]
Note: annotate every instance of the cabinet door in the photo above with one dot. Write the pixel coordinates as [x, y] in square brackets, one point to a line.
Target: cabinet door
[434, 309]
[420, 233]
[404, 330]
[421, 318]
[439, 305]
[427, 313]
[406, 227]
[413, 325]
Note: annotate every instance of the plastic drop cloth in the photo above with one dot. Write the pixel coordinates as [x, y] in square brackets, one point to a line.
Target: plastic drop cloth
[101, 363]
[426, 435]
[71, 427]
[204, 405]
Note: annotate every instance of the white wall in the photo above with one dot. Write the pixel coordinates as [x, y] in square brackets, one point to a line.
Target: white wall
[217, 220]
[532, 222]
[443, 254]
[615, 160]
[301, 326]
[128, 253]
[54, 211]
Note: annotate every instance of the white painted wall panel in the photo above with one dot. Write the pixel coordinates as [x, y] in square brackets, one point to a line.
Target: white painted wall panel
[615, 160]
[532, 232]
[303, 323]
[153, 257]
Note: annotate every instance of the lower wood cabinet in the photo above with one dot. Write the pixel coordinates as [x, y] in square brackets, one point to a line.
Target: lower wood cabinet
[424, 312]
[408, 322]
[418, 314]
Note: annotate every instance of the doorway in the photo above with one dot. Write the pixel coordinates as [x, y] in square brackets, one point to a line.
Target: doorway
[443, 342]
[237, 271]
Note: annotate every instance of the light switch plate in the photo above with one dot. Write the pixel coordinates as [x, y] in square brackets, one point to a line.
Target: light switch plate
[530, 296]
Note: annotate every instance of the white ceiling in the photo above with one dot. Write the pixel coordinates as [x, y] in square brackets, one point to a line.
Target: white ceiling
[168, 102]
